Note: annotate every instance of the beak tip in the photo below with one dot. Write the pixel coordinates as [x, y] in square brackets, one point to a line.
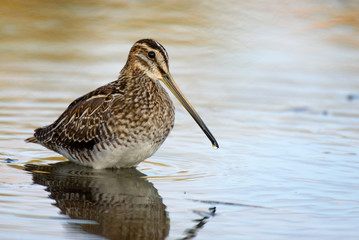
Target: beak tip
[215, 145]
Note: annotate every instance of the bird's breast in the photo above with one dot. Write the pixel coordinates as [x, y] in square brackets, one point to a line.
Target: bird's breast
[147, 118]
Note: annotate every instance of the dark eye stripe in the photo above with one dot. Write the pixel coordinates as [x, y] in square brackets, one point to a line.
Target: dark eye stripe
[145, 63]
[155, 45]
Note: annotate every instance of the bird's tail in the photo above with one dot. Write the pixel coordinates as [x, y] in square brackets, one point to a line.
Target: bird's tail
[31, 140]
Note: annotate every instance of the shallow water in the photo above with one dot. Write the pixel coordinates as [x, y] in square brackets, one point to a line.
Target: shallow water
[277, 84]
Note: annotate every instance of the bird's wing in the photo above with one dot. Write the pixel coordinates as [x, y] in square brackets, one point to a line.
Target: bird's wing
[83, 123]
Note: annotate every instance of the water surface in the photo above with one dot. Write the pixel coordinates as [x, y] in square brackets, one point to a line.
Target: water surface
[277, 84]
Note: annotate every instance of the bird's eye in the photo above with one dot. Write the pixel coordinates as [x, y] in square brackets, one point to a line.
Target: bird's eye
[151, 54]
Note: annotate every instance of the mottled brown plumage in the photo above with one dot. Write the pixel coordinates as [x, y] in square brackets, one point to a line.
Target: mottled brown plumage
[121, 123]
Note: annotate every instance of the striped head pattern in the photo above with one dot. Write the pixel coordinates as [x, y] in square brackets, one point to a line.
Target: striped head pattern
[149, 57]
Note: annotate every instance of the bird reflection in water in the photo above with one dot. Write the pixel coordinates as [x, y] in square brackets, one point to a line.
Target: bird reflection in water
[123, 203]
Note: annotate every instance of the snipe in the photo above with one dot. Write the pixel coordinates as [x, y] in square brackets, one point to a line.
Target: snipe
[124, 122]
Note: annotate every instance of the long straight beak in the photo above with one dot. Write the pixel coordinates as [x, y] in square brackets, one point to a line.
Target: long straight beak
[170, 83]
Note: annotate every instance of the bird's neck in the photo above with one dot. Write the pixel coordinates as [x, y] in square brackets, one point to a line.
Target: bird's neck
[136, 80]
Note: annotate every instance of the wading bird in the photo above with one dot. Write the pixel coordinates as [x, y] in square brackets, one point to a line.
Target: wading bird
[123, 122]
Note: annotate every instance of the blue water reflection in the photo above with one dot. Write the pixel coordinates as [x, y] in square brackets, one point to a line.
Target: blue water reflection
[275, 83]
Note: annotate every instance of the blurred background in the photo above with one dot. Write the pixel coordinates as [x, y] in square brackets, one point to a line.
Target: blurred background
[275, 81]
